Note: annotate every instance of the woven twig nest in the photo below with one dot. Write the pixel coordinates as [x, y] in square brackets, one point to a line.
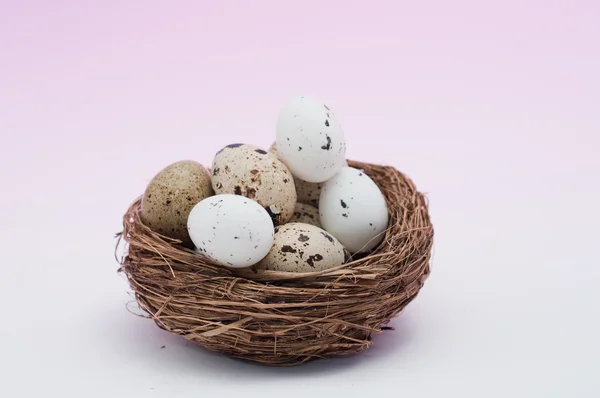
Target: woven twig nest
[281, 318]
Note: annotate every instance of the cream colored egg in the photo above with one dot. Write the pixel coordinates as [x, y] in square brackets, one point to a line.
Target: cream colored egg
[307, 214]
[307, 192]
[299, 247]
[249, 171]
[171, 195]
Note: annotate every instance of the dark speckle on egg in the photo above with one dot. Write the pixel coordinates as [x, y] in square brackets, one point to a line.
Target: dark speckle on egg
[311, 259]
[327, 236]
[288, 249]
[230, 146]
[303, 238]
[327, 146]
[261, 151]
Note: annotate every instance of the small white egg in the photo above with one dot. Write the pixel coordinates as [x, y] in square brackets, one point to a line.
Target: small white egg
[231, 230]
[310, 140]
[353, 209]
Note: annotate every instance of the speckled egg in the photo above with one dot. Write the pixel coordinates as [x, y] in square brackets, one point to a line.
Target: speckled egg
[308, 192]
[231, 230]
[171, 195]
[310, 140]
[353, 209]
[299, 247]
[273, 150]
[252, 172]
[307, 214]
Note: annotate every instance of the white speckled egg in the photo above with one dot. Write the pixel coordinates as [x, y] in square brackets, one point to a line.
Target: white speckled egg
[307, 214]
[310, 140]
[353, 209]
[249, 171]
[301, 247]
[231, 230]
[307, 192]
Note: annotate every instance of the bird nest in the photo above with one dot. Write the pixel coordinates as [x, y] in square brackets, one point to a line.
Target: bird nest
[282, 318]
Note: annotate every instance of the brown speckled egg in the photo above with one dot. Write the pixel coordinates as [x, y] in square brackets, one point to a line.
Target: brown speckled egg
[299, 247]
[249, 171]
[306, 214]
[307, 192]
[171, 195]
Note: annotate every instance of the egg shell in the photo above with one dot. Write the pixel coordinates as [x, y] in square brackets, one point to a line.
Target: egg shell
[252, 172]
[353, 209]
[307, 214]
[231, 230]
[299, 247]
[310, 140]
[307, 192]
[171, 195]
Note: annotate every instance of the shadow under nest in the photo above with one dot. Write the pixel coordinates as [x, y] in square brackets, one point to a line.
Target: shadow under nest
[280, 318]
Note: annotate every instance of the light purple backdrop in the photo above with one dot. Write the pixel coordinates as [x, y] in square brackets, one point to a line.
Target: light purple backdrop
[492, 107]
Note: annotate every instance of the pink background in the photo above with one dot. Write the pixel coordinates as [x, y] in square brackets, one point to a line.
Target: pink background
[492, 107]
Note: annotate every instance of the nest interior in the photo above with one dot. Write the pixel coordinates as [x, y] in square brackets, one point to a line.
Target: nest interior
[280, 318]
